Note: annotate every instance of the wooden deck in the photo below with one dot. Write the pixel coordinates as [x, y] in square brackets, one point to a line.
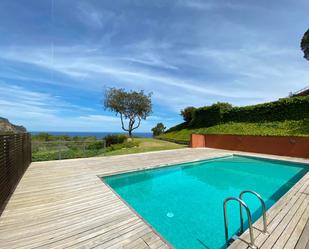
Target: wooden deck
[64, 204]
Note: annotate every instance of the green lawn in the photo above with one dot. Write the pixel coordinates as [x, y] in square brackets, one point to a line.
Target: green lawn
[146, 145]
[285, 128]
[50, 151]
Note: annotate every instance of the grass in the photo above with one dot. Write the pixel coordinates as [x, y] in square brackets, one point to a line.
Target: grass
[285, 128]
[65, 154]
[145, 145]
[51, 151]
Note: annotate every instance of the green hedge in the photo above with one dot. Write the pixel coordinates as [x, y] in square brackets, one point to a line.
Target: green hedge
[177, 127]
[206, 116]
[295, 108]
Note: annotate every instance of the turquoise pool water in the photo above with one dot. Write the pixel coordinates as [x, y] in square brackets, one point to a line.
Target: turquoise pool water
[184, 202]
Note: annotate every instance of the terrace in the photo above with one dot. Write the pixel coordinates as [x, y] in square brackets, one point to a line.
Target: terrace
[64, 204]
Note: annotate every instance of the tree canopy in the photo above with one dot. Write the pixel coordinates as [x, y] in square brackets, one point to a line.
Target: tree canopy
[158, 129]
[187, 113]
[305, 44]
[131, 105]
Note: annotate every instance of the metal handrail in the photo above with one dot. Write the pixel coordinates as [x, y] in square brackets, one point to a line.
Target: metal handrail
[263, 210]
[242, 204]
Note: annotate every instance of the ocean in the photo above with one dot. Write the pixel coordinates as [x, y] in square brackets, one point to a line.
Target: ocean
[98, 135]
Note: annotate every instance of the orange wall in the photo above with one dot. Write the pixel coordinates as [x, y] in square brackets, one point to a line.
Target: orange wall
[276, 145]
[197, 141]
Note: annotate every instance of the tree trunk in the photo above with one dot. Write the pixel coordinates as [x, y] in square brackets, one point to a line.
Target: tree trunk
[130, 133]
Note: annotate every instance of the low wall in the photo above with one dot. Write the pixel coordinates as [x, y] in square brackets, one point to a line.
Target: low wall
[275, 145]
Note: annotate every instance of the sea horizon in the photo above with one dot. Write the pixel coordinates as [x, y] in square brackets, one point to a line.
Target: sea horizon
[98, 135]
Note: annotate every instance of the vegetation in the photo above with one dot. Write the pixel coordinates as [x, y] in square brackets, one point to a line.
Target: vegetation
[132, 106]
[294, 108]
[305, 44]
[158, 129]
[276, 128]
[206, 116]
[188, 113]
[285, 117]
[46, 137]
[146, 145]
[49, 147]
[115, 139]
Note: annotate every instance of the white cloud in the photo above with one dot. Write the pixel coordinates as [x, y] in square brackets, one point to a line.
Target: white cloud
[197, 4]
[42, 111]
[252, 74]
[99, 118]
[92, 16]
[79, 63]
[208, 5]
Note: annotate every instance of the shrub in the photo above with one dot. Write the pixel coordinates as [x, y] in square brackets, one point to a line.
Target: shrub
[158, 129]
[115, 139]
[129, 144]
[295, 108]
[178, 127]
[206, 116]
[209, 115]
[95, 145]
[188, 113]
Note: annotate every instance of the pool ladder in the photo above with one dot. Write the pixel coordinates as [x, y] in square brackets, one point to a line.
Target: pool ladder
[241, 205]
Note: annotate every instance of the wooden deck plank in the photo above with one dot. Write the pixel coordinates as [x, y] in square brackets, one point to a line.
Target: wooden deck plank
[295, 236]
[63, 204]
[274, 215]
[303, 242]
[287, 233]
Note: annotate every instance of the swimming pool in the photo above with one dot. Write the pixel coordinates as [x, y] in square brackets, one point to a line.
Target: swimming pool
[184, 202]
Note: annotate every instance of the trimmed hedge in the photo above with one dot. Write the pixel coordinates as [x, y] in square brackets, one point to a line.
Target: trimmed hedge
[206, 116]
[274, 128]
[295, 108]
[177, 127]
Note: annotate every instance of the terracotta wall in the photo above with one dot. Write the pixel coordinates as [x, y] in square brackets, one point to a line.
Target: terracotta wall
[197, 141]
[276, 145]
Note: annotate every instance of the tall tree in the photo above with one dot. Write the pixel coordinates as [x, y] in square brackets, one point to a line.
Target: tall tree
[305, 44]
[131, 105]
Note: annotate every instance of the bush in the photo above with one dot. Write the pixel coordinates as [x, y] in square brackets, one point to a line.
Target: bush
[129, 144]
[178, 127]
[115, 139]
[206, 116]
[95, 145]
[158, 129]
[188, 113]
[295, 108]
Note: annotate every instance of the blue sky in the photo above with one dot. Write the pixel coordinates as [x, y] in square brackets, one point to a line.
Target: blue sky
[57, 56]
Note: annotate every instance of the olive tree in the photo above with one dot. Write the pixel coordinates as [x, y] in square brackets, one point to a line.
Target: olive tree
[305, 44]
[131, 106]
